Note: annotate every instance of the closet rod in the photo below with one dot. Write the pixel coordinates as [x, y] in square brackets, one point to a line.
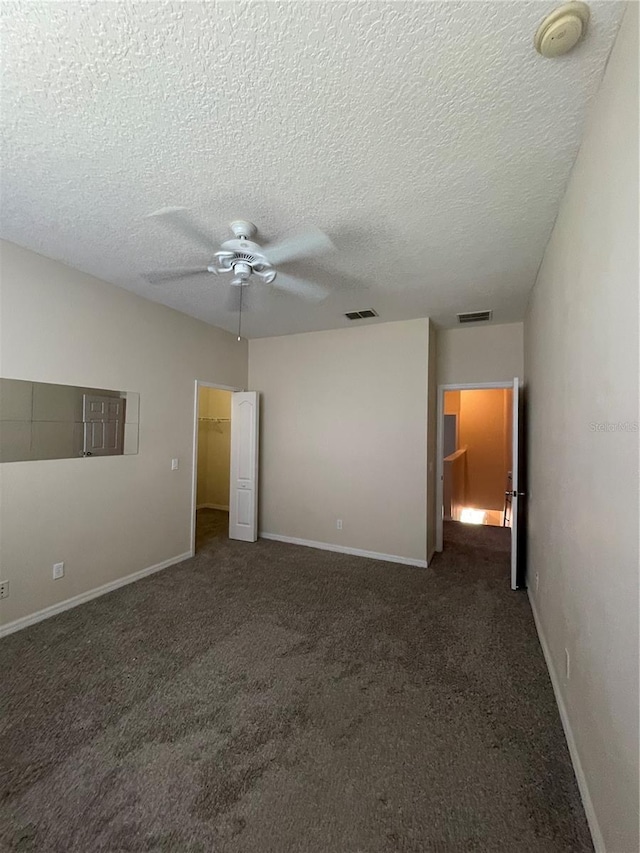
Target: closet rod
[216, 420]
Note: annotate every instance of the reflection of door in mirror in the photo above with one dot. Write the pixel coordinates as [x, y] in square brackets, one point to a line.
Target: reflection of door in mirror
[42, 420]
[103, 419]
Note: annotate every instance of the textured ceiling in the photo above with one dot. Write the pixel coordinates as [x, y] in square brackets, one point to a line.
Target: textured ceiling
[427, 138]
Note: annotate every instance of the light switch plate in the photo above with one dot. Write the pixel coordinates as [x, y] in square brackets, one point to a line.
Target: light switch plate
[175, 464]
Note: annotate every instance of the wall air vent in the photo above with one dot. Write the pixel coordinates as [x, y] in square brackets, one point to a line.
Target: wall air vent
[475, 316]
[361, 315]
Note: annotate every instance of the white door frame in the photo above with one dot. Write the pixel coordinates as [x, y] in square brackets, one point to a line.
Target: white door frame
[199, 383]
[460, 386]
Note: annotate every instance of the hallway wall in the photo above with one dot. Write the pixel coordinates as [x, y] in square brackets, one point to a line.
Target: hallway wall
[452, 402]
[483, 430]
[582, 378]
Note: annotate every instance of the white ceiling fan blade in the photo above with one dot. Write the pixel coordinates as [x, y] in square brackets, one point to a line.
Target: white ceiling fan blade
[179, 219]
[306, 289]
[162, 276]
[299, 246]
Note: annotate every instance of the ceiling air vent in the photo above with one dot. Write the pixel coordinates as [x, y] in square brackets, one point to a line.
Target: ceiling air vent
[475, 316]
[361, 315]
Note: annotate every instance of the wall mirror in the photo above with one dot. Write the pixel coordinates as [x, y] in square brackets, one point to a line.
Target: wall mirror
[39, 420]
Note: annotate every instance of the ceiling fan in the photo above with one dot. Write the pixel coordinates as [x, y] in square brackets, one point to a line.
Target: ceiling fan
[245, 259]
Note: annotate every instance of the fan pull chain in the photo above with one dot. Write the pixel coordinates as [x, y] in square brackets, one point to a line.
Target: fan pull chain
[240, 313]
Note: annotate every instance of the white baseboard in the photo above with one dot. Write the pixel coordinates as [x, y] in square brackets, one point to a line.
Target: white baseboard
[356, 552]
[39, 615]
[583, 787]
[213, 506]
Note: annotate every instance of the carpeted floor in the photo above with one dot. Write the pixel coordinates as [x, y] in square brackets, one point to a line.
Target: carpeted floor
[270, 698]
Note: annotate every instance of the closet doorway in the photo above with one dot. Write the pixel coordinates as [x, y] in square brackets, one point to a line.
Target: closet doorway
[224, 499]
[213, 467]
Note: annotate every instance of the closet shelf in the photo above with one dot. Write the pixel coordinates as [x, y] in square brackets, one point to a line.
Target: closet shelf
[216, 420]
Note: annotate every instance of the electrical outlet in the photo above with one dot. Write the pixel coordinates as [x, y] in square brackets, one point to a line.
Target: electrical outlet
[339, 523]
[567, 661]
[58, 571]
[4, 589]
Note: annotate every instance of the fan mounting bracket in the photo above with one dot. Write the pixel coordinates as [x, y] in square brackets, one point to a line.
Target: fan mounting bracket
[242, 228]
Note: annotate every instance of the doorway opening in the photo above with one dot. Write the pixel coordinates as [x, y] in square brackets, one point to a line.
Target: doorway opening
[213, 465]
[224, 495]
[477, 456]
[480, 482]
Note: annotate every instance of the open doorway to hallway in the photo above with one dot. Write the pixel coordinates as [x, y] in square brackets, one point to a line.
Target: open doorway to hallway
[482, 489]
[477, 456]
[213, 465]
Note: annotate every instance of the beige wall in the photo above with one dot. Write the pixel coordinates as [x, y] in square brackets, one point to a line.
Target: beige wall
[214, 448]
[344, 436]
[582, 370]
[483, 431]
[480, 354]
[104, 517]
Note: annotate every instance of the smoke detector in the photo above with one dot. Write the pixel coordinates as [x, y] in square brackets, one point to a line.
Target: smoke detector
[562, 30]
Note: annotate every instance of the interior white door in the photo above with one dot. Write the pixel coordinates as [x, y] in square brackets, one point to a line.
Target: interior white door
[518, 494]
[103, 425]
[243, 492]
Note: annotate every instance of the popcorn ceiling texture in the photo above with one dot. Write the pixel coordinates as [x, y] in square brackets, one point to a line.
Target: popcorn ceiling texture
[429, 139]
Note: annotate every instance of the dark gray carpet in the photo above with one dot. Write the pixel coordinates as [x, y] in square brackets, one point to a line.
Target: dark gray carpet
[269, 698]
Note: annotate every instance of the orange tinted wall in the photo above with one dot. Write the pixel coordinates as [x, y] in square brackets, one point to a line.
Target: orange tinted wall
[484, 429]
